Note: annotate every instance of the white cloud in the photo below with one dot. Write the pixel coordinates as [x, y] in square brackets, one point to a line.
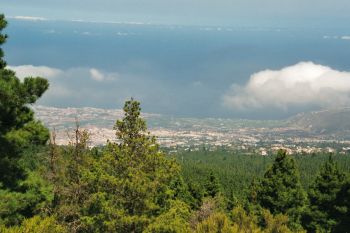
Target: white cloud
[96, 75]
[331, 37]
[122, 34]
[28, 18]
[110, 22]
[337, 37]
[299, 85]
[30, 70]
[74, 86]
[99, 76]
[49, 72]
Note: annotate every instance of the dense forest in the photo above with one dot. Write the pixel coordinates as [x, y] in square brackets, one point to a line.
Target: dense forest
[131, 185]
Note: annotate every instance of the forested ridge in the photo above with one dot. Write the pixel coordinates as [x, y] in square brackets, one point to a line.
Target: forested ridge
[131, 185]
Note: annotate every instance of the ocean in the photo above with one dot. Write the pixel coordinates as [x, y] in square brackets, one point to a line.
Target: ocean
[171, 69]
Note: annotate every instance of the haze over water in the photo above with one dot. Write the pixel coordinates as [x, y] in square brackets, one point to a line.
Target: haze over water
[172, 69]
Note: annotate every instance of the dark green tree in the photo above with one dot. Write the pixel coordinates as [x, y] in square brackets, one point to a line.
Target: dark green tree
[321, 213]
[197, 193]
[181, 191]
[212, 185]
[18, 131]
[129, 186]
[343, 208]
[280, 190]
[18, 128]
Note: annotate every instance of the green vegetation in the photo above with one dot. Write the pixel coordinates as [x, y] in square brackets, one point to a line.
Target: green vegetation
[236, 171]
[280, 190]
[20, 188]
[322, 212]
[132, 186]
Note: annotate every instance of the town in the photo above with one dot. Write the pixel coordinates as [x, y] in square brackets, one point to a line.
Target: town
[249, 137]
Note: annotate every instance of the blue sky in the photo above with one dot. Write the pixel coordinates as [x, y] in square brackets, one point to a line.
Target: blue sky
[197, 12]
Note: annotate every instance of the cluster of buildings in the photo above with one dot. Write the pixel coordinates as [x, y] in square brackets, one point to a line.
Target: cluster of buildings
[191, 134]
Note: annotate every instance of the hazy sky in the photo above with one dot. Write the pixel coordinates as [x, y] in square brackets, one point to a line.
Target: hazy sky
[245, 58]
[219, 12]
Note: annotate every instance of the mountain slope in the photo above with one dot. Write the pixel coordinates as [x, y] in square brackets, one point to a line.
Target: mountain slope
[330, 121]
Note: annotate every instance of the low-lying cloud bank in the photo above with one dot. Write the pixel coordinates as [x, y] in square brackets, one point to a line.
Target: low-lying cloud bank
[300, 85]
[35, 71]
[69, 85]
[50, 72]
[90, 86]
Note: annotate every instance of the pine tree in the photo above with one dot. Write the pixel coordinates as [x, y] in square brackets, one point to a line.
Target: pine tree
[321, 212]
[21, 192]
[343, 208]
[280, 190]
[18, 128]
[197, 194]
[212, 185]
[129, 187]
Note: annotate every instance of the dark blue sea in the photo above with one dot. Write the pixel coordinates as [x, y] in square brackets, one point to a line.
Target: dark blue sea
[171, 69]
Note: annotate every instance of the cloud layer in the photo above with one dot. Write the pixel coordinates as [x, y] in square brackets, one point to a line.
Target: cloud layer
[34, 71]
[28, 18]
[89, 86]
[300, 85]
[71, 84]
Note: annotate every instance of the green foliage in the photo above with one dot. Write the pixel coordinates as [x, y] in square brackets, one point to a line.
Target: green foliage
[215, 223]
[182, 192]
[15, 206]
[280, 190]
[174, 220]
[240, 221]
[67, 171]
[212, 185]
[18, 129]
[277, 223]
[244, 222]
[127, 187]
[21, 195]
[236, 171]
[321, 213]
[36, 224]
[197, 194]
[343, 207]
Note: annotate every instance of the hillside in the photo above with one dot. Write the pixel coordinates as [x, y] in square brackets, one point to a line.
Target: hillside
[326, 122]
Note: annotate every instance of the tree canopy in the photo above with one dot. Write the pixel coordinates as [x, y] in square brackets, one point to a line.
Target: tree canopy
[321, 213]
[18, 128]
[280, 190]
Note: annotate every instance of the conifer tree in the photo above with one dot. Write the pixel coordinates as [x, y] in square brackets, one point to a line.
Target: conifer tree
[343, 208]
[280, 190]
[212, 185]
[130, 187]
[18, 128]
[21, 192]
[197, 194]
[321, 212]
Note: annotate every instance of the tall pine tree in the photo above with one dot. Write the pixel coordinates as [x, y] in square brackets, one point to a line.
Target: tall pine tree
[19, 193]
[321, 212]
[18, 127]
[343, 208]
[280, 190]
[212, 185]
[128, 187]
